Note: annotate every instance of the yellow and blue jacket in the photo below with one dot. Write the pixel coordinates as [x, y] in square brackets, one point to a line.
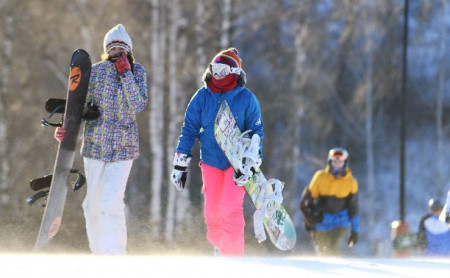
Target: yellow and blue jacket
[337, 198]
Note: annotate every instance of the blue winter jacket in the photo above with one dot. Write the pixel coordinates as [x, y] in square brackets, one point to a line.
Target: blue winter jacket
[199, 122]
[438, 236]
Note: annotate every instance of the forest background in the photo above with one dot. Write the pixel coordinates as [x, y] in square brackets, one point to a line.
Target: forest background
[327, 73]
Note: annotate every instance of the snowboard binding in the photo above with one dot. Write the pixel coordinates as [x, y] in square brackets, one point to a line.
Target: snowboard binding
[267, 203]
[54, 106]
[57, 106]
[247, 160]
[246, 157]
[45, 182]
[271, 218]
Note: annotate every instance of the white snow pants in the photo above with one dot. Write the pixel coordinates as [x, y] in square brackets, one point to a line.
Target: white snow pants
[104, 206]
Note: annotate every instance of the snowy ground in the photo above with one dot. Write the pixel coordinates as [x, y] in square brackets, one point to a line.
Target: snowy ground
[68, 266]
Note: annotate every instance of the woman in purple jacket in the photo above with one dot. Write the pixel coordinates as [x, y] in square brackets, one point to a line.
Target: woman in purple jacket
[117, 90]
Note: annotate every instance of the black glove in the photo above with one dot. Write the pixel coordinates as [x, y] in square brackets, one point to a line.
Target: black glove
[308, 227]
[91, 112]
[353, 239]
[447, 218]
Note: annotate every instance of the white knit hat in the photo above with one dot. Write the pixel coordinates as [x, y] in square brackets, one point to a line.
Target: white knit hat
[117, 37]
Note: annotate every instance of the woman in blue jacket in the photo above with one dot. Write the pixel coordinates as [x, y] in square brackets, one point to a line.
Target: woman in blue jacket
[223, 209]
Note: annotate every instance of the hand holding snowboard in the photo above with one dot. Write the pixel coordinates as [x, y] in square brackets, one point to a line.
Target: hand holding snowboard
[59, 134]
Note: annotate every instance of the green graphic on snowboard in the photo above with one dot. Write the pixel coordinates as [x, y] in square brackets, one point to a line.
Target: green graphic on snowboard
[278, 224]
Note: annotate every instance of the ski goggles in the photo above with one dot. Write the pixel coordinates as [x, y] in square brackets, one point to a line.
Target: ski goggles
[223, 70]
[337, 155]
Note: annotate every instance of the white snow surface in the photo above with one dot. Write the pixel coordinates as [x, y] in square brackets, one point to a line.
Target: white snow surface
[67, 266]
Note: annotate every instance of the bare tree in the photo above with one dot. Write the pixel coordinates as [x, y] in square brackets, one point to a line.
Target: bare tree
[200, 38]
[6, 70]
[85, 31]
[440, 101]
[173, 114]
[369, 33]
[300, 75]
[226, 24]
[156, 114]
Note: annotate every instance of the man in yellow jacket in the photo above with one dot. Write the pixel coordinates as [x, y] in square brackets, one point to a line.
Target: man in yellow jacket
[330, 204]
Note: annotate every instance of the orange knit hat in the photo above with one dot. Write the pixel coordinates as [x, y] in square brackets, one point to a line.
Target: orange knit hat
[229, 56]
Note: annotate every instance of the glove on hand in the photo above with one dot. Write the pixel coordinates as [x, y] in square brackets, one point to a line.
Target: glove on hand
[308, 227]
[59, 134]
[91, 112]
[179, 173]
[122, 64]
[353, 239]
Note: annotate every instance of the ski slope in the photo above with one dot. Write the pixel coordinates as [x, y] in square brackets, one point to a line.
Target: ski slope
[68, 266]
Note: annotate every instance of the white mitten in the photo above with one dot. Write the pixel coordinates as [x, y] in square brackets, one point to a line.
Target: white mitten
[180, 168]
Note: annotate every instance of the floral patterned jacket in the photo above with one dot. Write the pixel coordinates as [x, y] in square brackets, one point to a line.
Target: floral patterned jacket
[114, 135]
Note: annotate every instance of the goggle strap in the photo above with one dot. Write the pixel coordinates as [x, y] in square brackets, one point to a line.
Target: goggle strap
[236, 70]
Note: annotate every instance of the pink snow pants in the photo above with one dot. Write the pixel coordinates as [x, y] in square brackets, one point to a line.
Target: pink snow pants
[223, 210]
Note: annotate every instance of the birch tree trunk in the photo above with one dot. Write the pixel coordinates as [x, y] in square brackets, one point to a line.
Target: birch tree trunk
[6, 63]
[184, 215]
[173, 108]
[369, 139]
[440, 183]
[156, 115]
[84, 28]
[226, 23]
[200, 39]
[301, 31]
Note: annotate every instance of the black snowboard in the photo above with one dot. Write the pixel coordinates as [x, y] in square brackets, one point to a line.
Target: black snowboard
[80, 70]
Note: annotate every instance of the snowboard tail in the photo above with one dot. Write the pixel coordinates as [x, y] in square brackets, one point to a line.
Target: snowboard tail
[80, 70]
[276, 220]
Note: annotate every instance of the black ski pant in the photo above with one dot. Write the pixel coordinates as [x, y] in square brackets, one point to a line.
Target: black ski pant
[327, 242]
